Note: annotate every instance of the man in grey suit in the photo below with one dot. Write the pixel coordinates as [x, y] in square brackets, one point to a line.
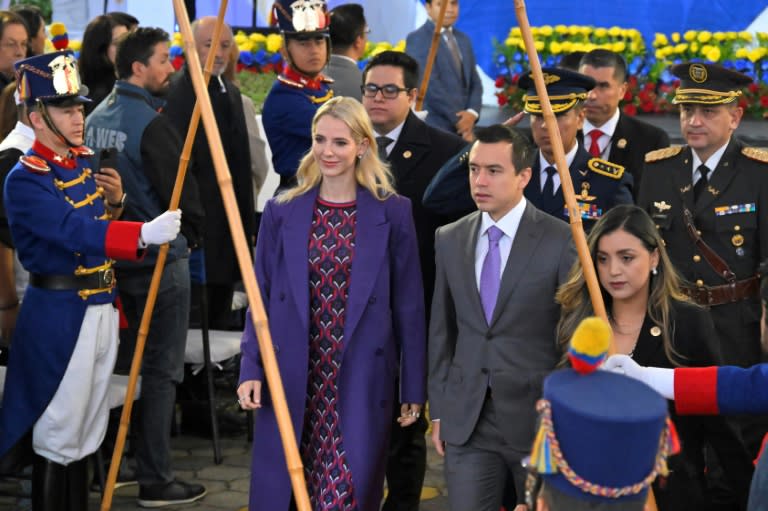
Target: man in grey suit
[492, 328]
[349, 33]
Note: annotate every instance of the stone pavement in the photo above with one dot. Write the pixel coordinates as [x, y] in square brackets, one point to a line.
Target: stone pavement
[227, 483]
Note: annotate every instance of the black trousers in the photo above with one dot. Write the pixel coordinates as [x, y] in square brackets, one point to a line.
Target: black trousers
[406, 463]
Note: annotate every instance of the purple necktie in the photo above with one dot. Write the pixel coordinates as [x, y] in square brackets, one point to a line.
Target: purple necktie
[490, 275]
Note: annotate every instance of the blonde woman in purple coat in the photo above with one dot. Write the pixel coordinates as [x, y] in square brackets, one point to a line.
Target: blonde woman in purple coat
[338, 267]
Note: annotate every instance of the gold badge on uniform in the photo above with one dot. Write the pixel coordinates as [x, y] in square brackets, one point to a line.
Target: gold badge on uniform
[621, 143]
[737, 240]
[655, 331]
[407, 154]
[698, 73]
[661, 206]
[584, 195]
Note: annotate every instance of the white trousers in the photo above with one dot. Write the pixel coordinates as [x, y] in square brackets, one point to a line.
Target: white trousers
[74, 424]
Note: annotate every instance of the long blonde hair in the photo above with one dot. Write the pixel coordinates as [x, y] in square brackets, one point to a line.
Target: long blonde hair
[370, 172]
[573, 296]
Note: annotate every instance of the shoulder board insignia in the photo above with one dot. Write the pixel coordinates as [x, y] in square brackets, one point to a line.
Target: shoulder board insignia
[35, 164]
[754, 153]
[290, 82]
[82, 151]
[663, 154]
[606, 168]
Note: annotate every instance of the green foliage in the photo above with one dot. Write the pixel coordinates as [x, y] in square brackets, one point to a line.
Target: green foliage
[255, 86]
[44, 6]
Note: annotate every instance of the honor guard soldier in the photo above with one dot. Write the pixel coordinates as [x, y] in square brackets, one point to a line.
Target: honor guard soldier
[301, 88]
[707, 199]
[603, 437]
[60, 213]
[599, 184]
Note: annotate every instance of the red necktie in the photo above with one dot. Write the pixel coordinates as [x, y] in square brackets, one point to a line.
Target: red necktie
[594, 149]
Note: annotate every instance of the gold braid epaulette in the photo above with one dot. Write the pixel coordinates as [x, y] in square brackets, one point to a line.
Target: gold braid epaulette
[605, 168]
[663, 154]
[753, 153]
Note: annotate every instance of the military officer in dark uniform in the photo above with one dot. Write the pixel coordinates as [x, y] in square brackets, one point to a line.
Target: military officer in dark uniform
[708, 199]
[599, 184]
[723, 185]
[301, 88]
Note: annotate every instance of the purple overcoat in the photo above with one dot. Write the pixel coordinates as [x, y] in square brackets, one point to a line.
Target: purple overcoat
[384, 330]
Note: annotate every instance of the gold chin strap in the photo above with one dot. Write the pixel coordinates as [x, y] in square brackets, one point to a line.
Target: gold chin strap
[705, 96]
[532, 105]
[43, 109]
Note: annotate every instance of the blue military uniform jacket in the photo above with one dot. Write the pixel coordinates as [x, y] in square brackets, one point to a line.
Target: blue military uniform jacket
[59, 225]
[598, 184]
[287, 115]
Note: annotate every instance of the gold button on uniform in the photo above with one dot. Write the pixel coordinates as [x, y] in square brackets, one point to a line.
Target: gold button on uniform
[696, 258]
[700, 283]
[737, 228]
[698, 232]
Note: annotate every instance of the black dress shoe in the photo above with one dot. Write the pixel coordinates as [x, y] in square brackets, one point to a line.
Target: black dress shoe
[168, 494]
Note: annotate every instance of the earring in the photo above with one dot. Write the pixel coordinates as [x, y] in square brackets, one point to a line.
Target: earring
[654, 271]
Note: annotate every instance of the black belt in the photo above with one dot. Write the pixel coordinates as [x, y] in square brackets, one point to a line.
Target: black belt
[99, 280]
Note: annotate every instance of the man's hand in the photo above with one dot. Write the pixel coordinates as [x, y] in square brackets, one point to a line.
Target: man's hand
[110, 181]
[409, 414]
[465, 124]
[439, 444]
[514, 120]
[249, 395]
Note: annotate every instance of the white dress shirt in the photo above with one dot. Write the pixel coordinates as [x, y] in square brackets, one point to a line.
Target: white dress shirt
[543, 164]
[608, 129]
[711, 163]
[508, 225]
[394, 135]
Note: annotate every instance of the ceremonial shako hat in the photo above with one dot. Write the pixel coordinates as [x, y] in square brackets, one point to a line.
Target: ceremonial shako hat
[51, 78]
[301, 19]
[708, 84]
[602, 436]
[564, 87]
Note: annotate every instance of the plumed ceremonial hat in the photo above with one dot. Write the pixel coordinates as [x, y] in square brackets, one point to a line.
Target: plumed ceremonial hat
[52, 78]
[602, 436]
[301, 18]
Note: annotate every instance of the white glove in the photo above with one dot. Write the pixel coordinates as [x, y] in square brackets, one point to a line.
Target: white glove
[659, 379]
[162, 229]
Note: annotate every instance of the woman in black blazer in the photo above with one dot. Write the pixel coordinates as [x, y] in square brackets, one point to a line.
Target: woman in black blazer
[657, 325]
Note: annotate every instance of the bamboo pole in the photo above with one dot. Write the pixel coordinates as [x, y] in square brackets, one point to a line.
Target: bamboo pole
[157, 274]
[431, 55]
[574, 215]
[258, 315]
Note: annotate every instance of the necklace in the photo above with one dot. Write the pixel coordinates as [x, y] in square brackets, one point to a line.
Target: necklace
[633, 331]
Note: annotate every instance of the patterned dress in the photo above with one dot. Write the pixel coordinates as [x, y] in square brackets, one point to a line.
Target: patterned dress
[331, 249]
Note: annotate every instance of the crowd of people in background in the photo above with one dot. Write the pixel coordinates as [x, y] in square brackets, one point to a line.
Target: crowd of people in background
[416, 267]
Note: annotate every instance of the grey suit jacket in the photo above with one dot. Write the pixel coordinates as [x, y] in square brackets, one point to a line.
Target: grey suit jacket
[347, 77]
[518, 349]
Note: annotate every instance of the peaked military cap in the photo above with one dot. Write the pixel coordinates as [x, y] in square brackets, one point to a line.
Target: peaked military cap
[564, 87]
[708, 84]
